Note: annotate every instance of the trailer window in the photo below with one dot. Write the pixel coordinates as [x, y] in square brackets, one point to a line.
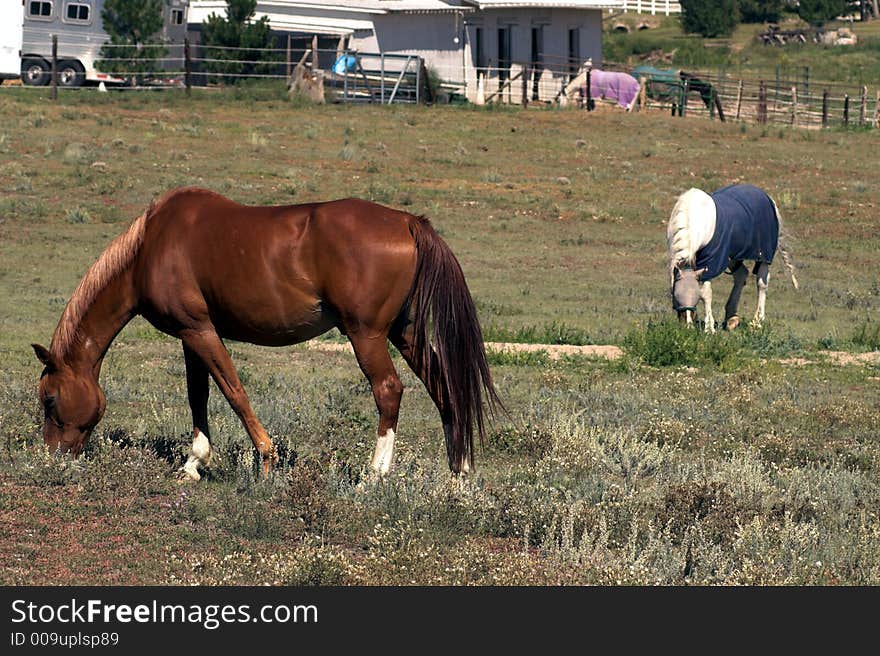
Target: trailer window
[78, 12]
[39, 9]
[177, 16]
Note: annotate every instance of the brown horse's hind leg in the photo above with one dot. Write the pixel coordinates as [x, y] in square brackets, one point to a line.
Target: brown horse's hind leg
[197, 393]
[207, 347]
[435, 385]
[375, 361]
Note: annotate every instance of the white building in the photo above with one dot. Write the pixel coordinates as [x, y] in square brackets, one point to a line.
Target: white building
[462, 40]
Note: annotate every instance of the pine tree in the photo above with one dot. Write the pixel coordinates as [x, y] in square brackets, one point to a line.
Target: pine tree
[760, 11]
[819, 12]
[709, 18]
[237, 30]
[135, 28]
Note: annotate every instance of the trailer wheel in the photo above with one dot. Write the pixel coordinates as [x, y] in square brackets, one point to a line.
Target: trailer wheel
[71, 73]
[35, 72]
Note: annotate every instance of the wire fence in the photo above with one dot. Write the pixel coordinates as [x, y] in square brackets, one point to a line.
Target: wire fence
[789, 97]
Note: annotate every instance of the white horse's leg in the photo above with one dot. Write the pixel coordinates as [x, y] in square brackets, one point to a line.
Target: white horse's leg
[740, 276]
[199, 456]
[763, 275]
[706, 295]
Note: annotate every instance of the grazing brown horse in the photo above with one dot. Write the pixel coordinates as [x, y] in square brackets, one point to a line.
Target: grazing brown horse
[203, 268]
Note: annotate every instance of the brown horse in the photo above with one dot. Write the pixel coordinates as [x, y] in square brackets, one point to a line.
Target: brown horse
[202, 268]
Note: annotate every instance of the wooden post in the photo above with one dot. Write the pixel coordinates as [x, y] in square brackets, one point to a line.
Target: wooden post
[315, 55]
[863, 106]
[846, 110]
[187, 66]
[762, 103]
[589, 91]
[289, 63]
[525, 85]
[794, 100]
[643, 94]
[825, 108]
[684, 99]
[739, 98]
[54, 67]
[877, 110]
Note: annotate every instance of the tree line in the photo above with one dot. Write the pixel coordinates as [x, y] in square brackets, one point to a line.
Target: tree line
[712, 18]
[135, 30]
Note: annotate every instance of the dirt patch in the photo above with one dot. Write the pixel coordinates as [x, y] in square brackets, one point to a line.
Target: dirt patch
[554, 351]
[841, 358]
[611, 352]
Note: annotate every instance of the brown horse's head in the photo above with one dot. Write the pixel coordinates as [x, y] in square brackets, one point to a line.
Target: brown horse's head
[73, 404]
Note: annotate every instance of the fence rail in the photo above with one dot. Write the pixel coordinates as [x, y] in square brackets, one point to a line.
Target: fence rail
[790, 97]
[652, 7]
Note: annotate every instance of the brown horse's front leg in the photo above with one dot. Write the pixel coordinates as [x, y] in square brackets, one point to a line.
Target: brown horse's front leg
[208, 347]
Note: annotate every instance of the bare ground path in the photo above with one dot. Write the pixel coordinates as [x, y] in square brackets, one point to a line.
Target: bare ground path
[611, 352]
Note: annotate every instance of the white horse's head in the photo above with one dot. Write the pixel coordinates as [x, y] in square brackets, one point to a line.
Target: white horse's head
[686, 293]
[691, 226]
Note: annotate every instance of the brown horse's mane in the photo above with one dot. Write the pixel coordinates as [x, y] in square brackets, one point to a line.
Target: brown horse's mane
[114, 260]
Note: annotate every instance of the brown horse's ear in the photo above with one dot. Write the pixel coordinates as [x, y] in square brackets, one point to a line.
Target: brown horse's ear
[44, 356]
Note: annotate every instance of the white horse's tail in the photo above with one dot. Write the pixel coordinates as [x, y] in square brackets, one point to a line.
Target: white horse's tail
[784, 237]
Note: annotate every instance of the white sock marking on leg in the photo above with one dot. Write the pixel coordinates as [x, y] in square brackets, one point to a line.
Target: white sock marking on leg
[384, 453]
[199, 455]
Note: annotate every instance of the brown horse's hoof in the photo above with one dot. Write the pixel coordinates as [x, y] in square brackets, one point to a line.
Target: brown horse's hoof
[732, 323]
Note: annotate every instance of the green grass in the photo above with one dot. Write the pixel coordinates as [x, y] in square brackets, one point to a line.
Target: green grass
[693, 460]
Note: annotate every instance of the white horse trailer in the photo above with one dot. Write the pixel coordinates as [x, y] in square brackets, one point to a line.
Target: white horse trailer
[10, 39]
[80, 30]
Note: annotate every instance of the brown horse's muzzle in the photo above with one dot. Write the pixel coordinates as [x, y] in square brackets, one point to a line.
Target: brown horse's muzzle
[59, 440]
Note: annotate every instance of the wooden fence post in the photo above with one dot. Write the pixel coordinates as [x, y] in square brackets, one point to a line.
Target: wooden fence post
[739, 98]
[643, 94]
[825, 108]
[589, 99]
[877, 110]
[525, 85]
[187, 66]
[54, 67]
[684, 99]
[315, 55]
[762, 103]
[289, 63]
[863, 106]
[846, 110]
[794, 101]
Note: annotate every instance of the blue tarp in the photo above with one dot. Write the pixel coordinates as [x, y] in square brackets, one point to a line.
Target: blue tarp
[344, 63]
[746, 228]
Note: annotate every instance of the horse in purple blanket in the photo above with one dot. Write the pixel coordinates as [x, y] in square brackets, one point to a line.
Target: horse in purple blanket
[707, 234]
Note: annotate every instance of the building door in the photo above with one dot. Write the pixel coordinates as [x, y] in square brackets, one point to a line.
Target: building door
[574, 53]
[504, 51]
[537, 61]
[479, 53]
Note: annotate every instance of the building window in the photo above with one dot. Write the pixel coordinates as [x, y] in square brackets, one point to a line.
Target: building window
[40, 9]
[177, 16]
[574, 52]
[77, 12]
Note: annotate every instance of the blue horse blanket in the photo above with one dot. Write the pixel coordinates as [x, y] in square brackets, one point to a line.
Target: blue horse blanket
[746, 228]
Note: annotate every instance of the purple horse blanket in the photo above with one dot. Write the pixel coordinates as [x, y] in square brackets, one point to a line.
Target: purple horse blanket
[621, 87]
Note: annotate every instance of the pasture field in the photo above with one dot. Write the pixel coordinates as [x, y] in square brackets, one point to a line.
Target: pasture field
[750, 457]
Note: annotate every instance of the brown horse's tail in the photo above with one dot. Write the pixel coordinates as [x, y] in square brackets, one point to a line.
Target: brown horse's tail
[448, 345]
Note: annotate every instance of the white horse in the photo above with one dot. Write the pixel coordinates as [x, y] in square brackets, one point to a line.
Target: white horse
[707, 234]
